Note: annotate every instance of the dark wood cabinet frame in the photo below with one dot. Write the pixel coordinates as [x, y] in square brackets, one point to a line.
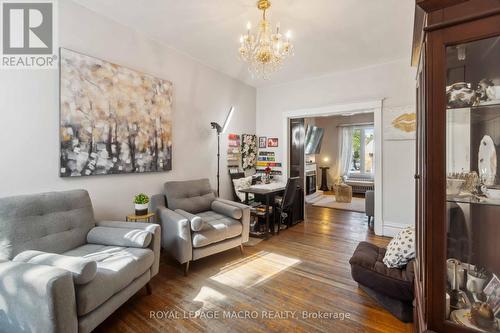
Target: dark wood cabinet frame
[461, 23]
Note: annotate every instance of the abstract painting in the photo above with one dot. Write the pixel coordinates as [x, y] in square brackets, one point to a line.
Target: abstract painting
[113, 120]
[400, 123]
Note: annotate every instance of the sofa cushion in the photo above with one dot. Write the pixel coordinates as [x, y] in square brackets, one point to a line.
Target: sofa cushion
[117, 267]
[83, 270]
[368, 269]
[227, 210]
[52, 222]
[195, 221]
[119, 237]
[217, 228]
[193, 196]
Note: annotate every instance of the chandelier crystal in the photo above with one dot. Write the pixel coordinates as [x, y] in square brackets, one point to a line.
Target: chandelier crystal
[266, 50]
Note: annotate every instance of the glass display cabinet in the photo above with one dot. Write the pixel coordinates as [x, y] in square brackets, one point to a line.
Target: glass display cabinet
[457, 176]
[472, 297]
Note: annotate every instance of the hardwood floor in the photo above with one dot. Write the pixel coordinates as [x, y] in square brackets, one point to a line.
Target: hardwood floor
[305, 268]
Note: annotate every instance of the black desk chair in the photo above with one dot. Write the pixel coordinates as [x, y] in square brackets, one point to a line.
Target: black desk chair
[284, 205]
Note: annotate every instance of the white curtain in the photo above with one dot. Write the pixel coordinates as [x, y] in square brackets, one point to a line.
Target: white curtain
[345, 150]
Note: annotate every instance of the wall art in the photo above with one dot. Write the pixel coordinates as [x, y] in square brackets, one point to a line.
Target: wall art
[113, 120]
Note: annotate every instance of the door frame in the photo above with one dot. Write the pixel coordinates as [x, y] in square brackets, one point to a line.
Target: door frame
[345, 109]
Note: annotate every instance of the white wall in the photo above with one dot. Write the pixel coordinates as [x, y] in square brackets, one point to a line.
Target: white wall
[395, 82]
[29, 111]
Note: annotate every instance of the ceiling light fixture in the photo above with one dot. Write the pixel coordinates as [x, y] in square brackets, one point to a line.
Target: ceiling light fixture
[265, 51]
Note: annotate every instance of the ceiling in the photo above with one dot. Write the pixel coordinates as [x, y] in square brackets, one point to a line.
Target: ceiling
[329, 35]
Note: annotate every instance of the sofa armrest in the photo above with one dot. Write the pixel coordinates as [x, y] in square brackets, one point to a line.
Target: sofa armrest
[157, 202]
[195, 221]
[176, 235]
[245, 219]
[153, 228]
[36, 298]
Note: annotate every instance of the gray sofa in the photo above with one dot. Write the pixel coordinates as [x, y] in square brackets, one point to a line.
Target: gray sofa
[60, 270]
[196, 224]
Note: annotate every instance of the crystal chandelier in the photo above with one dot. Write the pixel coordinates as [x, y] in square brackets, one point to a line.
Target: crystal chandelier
[266, 50]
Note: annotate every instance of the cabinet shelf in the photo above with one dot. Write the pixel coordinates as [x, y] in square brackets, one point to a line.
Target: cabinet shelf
[473, 201]
[487, 105]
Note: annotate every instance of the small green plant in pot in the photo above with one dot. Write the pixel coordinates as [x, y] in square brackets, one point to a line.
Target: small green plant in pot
[141, 202]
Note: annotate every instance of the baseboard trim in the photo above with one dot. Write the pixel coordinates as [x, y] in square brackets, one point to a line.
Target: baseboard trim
[391, 229]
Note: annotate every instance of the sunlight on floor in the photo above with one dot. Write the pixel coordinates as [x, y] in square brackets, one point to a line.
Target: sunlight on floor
[254, 270]
[208, 297]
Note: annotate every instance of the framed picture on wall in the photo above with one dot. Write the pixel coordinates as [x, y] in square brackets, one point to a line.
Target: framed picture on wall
[272, 142]
[113, 120]
[262, 142]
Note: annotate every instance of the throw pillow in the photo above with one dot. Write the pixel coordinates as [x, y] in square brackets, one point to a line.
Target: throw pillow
[242, 183]
[401, 249]
[119, 237]
[195, 221]
[227, 209]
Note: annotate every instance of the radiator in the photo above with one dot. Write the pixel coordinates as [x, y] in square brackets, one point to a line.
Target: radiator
[360, 184]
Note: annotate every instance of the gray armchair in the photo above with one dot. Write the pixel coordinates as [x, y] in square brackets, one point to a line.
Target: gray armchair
[60, 270]
[196, 224]
[370, 205]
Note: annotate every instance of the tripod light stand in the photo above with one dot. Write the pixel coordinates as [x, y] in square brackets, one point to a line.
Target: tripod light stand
[221, 129]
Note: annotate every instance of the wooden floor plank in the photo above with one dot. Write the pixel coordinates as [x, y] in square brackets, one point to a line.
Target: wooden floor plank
[305, 268]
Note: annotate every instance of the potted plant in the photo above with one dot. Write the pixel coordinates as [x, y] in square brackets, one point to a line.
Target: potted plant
[141, 202]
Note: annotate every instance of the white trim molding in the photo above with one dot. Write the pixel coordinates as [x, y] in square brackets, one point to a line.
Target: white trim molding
[345, 109]
[391, 229]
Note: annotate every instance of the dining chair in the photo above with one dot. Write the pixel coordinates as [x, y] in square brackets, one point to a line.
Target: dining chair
[285, 204]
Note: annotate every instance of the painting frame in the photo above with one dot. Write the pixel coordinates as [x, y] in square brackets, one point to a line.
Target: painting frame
[272, 142]
[149, 156]
[492, 291]
[262, 142]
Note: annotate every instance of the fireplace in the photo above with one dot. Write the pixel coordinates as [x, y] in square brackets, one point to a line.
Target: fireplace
[310, 183]
[310, 178]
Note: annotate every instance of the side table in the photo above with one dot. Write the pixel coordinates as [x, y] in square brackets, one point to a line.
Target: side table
[146, 218]
[343, 193]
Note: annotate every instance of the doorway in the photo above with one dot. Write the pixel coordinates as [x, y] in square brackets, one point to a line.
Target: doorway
[295, 120]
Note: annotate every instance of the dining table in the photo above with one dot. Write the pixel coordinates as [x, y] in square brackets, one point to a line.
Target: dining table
[268, 192]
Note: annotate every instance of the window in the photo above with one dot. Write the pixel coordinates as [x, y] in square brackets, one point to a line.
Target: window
[362, 150]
